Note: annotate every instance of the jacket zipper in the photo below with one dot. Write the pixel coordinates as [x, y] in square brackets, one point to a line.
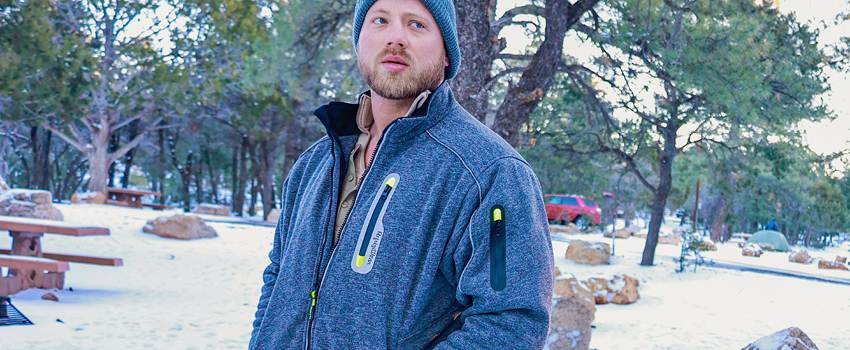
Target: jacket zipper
[315, 292]
[376, 213]
[498, 278]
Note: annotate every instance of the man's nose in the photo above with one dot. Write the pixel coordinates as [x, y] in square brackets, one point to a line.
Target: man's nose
[396, 36]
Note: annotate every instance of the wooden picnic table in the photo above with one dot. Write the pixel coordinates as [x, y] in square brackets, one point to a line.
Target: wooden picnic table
[740, 239]
[26, 261]
[128, 198]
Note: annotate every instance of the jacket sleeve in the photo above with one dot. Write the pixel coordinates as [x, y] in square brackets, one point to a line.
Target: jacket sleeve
[518, 314]
[271, 271]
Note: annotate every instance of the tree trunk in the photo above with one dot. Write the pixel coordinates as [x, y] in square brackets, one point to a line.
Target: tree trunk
[161, 162]
[129, 157]
[478, 47]
[662, 191]
[480, 44]
[255, 176]
[239, 186]
[719, 218]
[98, 169]
[41, 176]
[199, 182]
[234, 175]
[213, 179]
[267, 177]
[808, 241]
[186, 182]
[113, 146]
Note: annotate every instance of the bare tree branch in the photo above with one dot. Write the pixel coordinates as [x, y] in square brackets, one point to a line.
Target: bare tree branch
[67, 139]
[132, 144]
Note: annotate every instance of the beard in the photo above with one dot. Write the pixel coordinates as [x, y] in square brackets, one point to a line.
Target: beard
[403, 85]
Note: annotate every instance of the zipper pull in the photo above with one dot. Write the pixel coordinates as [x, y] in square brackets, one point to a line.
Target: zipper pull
[389, 186]
[313, 297]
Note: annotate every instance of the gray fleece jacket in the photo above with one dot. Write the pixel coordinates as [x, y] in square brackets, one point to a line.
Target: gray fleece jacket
[446, 246]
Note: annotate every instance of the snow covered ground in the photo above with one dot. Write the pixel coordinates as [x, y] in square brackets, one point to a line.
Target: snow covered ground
[202, 294]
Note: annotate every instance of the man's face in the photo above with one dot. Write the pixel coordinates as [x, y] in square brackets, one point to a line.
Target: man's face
[400, 50]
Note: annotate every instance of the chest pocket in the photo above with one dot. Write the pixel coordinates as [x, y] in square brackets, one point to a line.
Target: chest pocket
[372, 231]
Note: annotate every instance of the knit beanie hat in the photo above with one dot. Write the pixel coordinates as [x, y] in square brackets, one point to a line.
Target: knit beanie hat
[444, 13]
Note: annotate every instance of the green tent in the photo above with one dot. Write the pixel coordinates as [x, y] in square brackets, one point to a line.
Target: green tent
[776, 239]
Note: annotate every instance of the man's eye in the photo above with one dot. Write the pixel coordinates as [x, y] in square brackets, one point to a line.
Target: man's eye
[418, 25]
[379, 20]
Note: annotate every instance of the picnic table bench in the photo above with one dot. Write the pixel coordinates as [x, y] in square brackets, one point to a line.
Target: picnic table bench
[29, 267]
[132, 198]
[740, 238]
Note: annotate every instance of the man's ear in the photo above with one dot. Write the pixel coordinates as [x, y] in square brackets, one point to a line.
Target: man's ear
[446, 61]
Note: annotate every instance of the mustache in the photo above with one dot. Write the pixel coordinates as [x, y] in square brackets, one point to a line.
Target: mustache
[394, 51]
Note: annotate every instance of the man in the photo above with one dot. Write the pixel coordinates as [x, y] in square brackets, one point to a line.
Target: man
[411, 225]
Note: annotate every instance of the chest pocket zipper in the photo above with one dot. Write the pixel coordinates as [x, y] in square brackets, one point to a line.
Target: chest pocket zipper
[369, 241]
[498, 278]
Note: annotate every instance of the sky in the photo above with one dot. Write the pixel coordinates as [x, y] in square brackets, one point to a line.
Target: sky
[824, 137]
[827, 137]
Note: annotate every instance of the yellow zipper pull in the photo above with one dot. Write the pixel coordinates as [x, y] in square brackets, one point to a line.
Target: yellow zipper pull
[313, 294]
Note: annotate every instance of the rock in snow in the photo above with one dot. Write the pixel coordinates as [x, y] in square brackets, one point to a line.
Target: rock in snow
[621, 290]
[669, 239]
[787, 339]
[89, 197]
[800, 256]
[589, 253]
[621, 233]
[212, 209]
[180, 226]
[752, 250]
[569, 325]
[573, 311]
[568, 228]
[29, 204]
[832, 265]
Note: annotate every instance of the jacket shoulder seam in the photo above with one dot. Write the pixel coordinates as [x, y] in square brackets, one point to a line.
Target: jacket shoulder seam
[462, 161]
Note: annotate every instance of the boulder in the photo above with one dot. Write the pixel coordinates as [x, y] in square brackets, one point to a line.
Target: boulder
[274, 215]
[624, 290]
[840, 259]
[567, 286]
[767, 247]
[589, 253]
[800, 256]
[569, 324]
[50, 296]
[702, 245]
[752, 250]
[621, 233]
[787, 339]
[212, 209]
[831, 265]
[669, 239]
[30, 204]
[572, 313]
[598, 288]
[621, 290]
[635, 229]
[180, 226]
[568, 228]
[89, 197]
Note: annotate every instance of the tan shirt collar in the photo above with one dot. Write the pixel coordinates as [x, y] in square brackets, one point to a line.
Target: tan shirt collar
[365, 119]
